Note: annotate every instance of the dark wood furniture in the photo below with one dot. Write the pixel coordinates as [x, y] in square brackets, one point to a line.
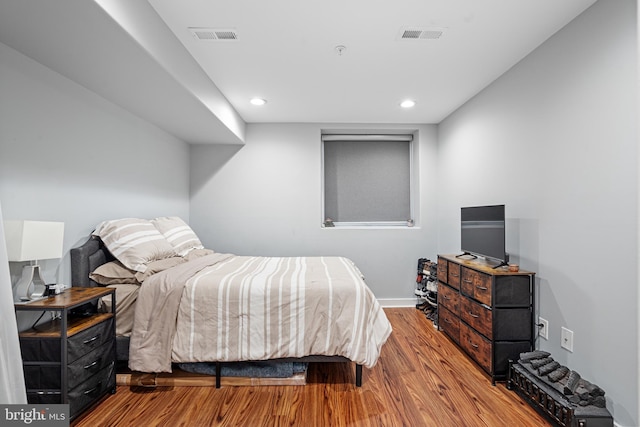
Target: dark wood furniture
[487, 311]
[70, 358]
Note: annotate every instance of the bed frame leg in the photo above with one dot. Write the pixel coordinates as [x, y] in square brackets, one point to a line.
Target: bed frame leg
[358, 375]
[218, 373]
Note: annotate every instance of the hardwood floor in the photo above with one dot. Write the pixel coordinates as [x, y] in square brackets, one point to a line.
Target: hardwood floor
[421, 379]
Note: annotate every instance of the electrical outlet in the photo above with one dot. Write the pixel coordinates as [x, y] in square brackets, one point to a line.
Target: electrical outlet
[566, 339]
[543, 328]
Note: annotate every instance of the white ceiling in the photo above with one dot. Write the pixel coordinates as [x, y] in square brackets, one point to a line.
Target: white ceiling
[142, 56]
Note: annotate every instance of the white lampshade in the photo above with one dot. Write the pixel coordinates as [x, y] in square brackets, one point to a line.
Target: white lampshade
[33, 240]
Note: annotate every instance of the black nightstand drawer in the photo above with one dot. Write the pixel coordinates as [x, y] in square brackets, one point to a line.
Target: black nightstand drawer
[91, 363]
[93, 388]
[40, 349]
[48, 349]
[42, 377]
[38, 377]
[39, 397]
[86, 341]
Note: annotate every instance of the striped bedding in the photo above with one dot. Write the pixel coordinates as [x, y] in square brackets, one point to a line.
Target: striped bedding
[224, 307]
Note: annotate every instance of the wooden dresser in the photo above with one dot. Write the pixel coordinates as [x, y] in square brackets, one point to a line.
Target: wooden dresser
[488, 312]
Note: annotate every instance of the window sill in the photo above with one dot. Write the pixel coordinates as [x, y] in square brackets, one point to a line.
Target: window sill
[369, 226]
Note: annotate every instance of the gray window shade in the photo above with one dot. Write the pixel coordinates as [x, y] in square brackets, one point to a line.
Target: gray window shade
[367, 178]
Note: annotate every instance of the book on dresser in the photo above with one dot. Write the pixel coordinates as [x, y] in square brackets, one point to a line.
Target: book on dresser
[487, 311]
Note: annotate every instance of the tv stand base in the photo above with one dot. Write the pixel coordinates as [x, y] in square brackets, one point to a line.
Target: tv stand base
[468, 254]
[503, 263]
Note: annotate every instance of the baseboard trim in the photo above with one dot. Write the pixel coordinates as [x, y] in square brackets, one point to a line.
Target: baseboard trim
[397, 302]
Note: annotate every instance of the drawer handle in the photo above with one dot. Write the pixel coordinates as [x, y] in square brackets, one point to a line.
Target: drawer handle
[446, 297]
[448, 321]
[467, 281]
[482, 288]
[90, 365]
[93, 389]
[91, 339]
[475, 316]
[455, 275]
[473, 345]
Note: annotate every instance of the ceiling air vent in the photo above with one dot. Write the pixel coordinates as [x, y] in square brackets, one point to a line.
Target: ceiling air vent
[412, 33]
[214, 33]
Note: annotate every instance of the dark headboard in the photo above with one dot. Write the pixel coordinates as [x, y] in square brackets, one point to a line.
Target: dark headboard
[85, 259]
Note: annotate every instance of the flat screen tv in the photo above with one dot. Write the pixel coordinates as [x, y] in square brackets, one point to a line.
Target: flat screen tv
[482, 232]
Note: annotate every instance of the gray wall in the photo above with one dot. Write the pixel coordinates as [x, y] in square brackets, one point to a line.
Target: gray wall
[265, 199]
[555, 139]
[68, 155]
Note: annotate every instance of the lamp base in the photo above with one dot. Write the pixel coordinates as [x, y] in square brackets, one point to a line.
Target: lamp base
[30, 286]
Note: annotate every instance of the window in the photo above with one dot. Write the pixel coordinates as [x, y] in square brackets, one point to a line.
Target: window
[367, 180]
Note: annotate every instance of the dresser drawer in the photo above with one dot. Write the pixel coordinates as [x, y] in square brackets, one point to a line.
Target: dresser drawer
[41, 377]
[88, 391]
[43, 396]
[477, 316]
[453, 275]
[513, 324]
[512, 291]
[40, 349]
[508, 350]
[449, 323]
[476, 285]
[89, 364]
[90, 339]
[442, 269]
[449, 298]
[478, 347]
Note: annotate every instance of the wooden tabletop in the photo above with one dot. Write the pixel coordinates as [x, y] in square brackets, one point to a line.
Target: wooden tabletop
[481, 265]
[69, 298]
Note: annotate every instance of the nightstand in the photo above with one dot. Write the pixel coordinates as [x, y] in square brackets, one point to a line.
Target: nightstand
[71, 358]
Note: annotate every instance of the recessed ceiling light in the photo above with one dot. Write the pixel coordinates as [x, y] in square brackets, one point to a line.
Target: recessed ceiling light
[407, 103]
[258, 101]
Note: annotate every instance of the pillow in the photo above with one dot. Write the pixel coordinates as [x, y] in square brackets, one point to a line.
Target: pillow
[113, 273]
[178, 234]
[126, 296]
[157, 266]
[134, 242]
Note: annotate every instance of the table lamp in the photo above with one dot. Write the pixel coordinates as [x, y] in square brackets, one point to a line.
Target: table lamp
[32, 241]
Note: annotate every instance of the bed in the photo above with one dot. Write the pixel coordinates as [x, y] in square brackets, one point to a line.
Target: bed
[194, 305]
